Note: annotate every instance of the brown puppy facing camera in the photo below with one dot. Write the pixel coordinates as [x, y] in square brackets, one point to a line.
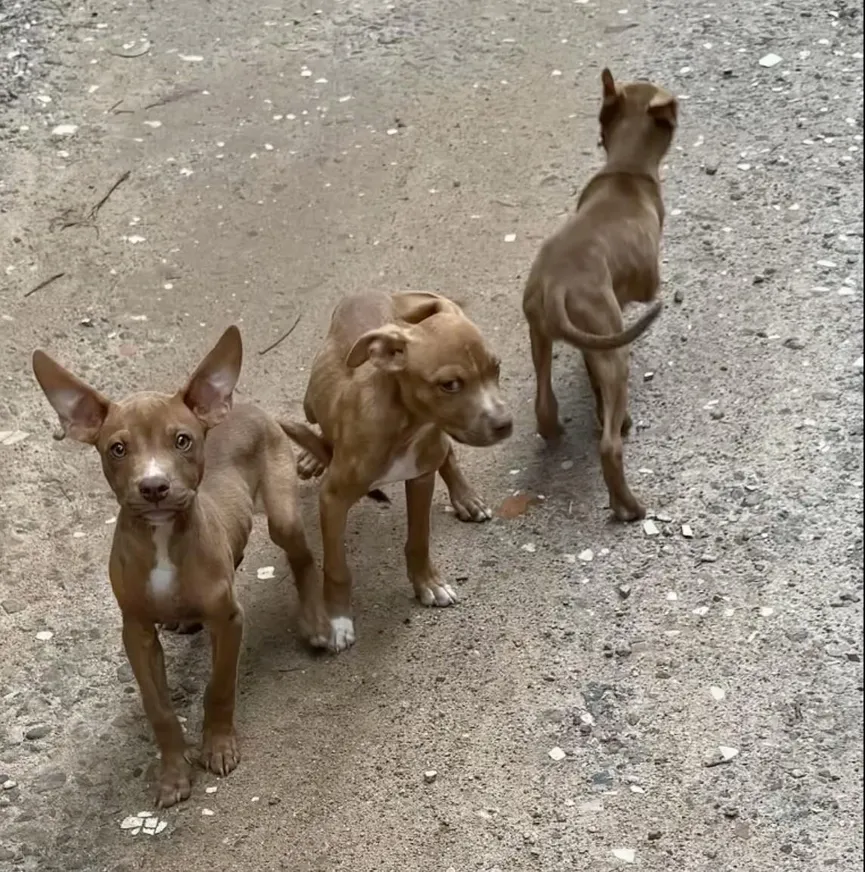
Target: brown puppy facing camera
[397, 378]
[602, 259]
[187, 470]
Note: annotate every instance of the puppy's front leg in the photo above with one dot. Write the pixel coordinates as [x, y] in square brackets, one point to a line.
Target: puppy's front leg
[468, 506]
[421, 573]
[219, 751]
[148, 665]
[333, 512]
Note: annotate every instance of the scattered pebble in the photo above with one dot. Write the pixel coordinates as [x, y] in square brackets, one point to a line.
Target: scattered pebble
[265, 572]
[624, 591]
[12, 437]
[766, 611]
[191, 59]
[687, 532]
[770, 60]
[45, 635]
[207, 812]
[717, 693]
[65, 130]
[510, 237]
[9, 784]
[586, 556]
[727, 752]
[626, 855]
[211, 789]
[557, 754]
[430, 776]
[530, 547]
[650, 528]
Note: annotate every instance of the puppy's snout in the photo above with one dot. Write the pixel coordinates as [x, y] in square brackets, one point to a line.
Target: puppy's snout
[154, 488]
[502, 426]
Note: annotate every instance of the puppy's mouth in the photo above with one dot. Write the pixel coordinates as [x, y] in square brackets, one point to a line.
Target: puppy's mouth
[481, 438]
[162, 512]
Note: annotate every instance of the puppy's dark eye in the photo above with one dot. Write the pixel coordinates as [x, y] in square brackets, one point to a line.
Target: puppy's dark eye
[183, 442]
[117, 450]
[453, 386]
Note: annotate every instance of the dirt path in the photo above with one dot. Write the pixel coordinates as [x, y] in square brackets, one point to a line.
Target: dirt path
[281, 155]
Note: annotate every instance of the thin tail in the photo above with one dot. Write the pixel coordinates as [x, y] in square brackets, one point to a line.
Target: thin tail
[308, 439]
[599, 342]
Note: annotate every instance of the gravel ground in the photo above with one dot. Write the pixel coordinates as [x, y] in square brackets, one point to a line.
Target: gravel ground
[603, 697]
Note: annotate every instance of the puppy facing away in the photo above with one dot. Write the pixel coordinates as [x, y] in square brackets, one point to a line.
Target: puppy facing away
[186, 470]
[396, 379]
[603, 258]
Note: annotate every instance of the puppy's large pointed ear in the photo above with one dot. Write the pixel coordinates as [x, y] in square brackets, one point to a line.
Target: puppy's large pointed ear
[81, 409]
[664, 108]
[210, 390]
[608, 83]
[383, 348]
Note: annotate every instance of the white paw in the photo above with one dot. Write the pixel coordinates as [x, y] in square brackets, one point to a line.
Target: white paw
[441, 595]
[341, 634]
[471, 508]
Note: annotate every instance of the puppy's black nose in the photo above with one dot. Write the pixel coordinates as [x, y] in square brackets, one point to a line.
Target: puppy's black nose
[154, 488]
[503, 427]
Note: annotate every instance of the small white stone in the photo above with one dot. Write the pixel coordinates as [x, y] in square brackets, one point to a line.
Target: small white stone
[766, 611]
[44, 635]
[10, 784]
[510, 237]
[858, 364]
[587, 556]
[770, 60]
[635, 788]
[556, 73]
[587, 718]
[160, 827]
[570, 558]
[65, 130]
[687, 532]
[728, 753]
[430, 776]
[211, 789]
[306, 73]
[530, 547]
[345, 99]
[650, 528]
[153, 124]
[268, 146]
[265, 572]
[392, 131]
[672, 596]
[701, 611]
[626, 855]
[191, 59]
[255, 799]
[130, 823]
[135, 240]
[557, 754]
[718, 693]
[567, 464]
[207, 812]
[151, 822]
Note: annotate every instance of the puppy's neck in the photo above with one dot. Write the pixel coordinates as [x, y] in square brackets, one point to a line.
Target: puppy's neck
[631, 154]
[141, 530]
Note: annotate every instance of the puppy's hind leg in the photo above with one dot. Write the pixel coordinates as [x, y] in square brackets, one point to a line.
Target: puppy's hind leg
[546, 405]
[284, 523]
[599, 401]
[611, 372]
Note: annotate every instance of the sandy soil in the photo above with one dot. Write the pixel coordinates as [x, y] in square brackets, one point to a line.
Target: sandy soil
[281, 155]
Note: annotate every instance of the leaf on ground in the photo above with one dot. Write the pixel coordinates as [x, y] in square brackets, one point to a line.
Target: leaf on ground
[516, 505]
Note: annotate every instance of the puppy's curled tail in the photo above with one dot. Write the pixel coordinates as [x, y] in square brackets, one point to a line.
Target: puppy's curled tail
[598, 342]
[309, 440]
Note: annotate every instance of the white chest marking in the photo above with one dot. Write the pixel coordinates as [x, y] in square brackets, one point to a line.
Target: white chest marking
[405, 466]
[164, 572]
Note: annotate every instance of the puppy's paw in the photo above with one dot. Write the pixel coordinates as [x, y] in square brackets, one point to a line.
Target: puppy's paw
[550, 430]
[308, 466]
[341, 634]
[219, 752]
[433, 593]
[468, 506]
[175, 782]
[314, 626]
[627, 513]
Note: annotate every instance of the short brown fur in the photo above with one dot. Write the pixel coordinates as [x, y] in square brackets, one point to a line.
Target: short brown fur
[602, 259]
[396, 379]
[186, 470]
